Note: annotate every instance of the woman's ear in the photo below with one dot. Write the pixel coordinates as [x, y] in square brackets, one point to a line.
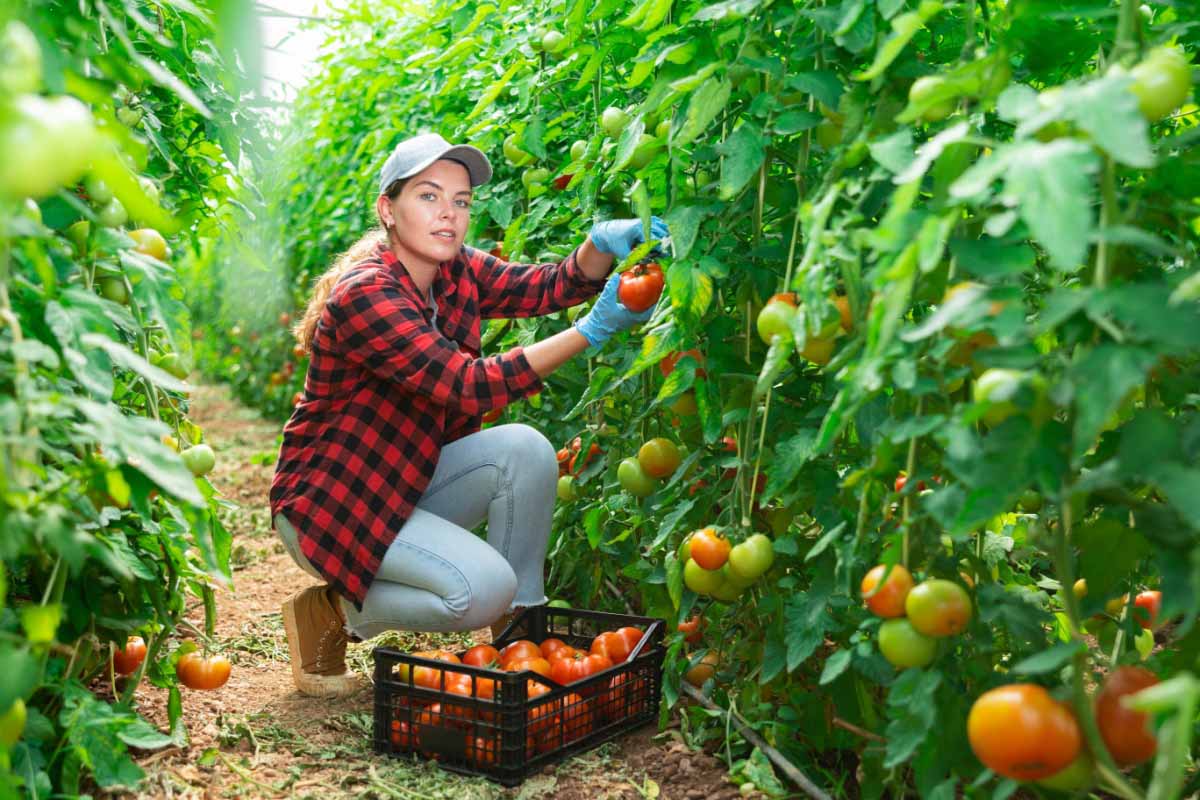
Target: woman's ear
[383, 208]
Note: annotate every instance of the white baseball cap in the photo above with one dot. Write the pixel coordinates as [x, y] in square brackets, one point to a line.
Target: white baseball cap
[417, 152]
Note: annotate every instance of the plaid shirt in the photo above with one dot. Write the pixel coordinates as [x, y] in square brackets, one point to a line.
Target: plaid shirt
[388, 384]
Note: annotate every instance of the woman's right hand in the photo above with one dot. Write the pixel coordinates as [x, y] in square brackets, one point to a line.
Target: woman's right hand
[609, 315]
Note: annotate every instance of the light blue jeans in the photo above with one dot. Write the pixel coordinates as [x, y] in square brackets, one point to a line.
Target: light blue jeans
[436, 574]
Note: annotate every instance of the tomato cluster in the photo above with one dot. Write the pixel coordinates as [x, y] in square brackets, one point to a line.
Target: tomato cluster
[714, 567]
[550, 723]
[915, 615]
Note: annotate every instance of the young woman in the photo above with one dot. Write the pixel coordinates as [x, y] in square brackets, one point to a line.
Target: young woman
[383, 469]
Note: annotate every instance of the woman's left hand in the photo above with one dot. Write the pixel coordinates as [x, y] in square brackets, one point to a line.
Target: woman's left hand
[618, 237]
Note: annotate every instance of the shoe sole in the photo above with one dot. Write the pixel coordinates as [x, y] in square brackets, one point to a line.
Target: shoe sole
[311, 685]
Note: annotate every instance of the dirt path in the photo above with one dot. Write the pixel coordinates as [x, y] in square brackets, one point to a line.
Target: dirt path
[258, 738]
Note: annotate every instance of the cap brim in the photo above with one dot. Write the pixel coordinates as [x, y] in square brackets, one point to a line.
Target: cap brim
[478, 167]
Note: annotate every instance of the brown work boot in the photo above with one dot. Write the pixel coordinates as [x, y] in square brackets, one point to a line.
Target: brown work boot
[317, 638]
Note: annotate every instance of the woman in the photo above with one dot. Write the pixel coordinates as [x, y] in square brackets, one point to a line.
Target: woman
[383, 469]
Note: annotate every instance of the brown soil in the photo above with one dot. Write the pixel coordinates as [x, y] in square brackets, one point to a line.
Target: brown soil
[257, 737]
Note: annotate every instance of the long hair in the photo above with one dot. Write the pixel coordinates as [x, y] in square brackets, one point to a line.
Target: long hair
[306, 327]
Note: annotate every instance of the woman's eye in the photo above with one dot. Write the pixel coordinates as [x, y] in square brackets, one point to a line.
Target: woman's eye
[428, 194]
[465, 203]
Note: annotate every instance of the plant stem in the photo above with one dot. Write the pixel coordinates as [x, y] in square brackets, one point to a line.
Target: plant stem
[1108, 212]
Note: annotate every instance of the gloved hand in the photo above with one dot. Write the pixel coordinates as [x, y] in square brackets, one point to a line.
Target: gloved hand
[609, 315]
[619, 236]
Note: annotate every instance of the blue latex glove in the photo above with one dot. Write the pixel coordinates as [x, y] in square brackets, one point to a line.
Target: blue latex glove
[609, 315]
[619, 236]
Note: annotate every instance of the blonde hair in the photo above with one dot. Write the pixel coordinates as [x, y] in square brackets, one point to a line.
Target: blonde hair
[357, 252]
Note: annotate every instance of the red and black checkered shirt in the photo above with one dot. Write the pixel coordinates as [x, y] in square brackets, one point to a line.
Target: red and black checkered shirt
[388, 384]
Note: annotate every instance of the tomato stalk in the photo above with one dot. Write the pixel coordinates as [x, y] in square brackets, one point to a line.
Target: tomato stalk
[909, 465]
[1064, 567]
[1108, 212]
[1126, 36]
[968, 50]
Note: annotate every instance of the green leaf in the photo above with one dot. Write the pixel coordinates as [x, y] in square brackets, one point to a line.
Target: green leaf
[1103, 377]
[592, 525]
[728, 9]
[684, 222]
[894, 153]
[1048, 660]
[904, 28]
[122, 356]
[835, 665]
[691, 289]
[824, 85]
[790, 122]
[702, 108]
[992, 258]
[744, 152]
[1052, 187]
[143, 735]
[774, 364]
[492, 92]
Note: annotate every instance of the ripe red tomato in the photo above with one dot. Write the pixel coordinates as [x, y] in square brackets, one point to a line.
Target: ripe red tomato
[709, 549]
[402, 738]
[548, 646]
[520, 649]
[539, 665]
[1126, 732]
[902, 481]
[577, 717]
[578, 666]
[627, 696]
[1146, 608]
[886, 600]
[481, 655]
[691, 630]
[1021, 732]
[196, 671]
[564, 461]
[631, 635]
[576, 466]
[640, 287]
[482, 750]
[611, 645]
[667, 365]
[566, 651]
[130, 657]
[938, 607]
[659, 457]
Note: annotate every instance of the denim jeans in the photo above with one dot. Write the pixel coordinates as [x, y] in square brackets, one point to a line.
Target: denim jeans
[436, 574]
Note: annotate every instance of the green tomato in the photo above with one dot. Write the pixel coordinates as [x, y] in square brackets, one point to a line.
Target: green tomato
[12, 724]
[513, 152]
[535, 177]
[923, 90]
[1161, 81]
[199, 459]
[1075, 777]
[150, 188]
[558, 604]
[20, 60]
[130, 117]
[614, 121]
[112, 287]
[775, 320]
[566, 489]
[643, 154]
[751, 558]
[553, 41]
[78, 233]
[663, 129]
[113, 214]
[1009, 391]
[938, 607]
[685, 549]
[829, 135]
[634, 479]
[727, 591]
[904, 646]
[578, 149]
[701, 580]
[97, 190]
[171, 363]
[1030, 501]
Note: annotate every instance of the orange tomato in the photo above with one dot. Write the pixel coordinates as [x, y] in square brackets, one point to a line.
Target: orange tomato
[520, 649]
[539, 665]
[1021, 732]
[710, 549]
[196, 671]
[631, 635]
[1126, 732]
[886, 599]
[611, 645]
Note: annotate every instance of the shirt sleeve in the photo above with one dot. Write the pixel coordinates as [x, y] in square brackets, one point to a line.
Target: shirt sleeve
[510, 289]
[380, 328]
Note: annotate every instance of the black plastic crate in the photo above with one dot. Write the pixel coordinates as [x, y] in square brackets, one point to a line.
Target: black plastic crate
[529, 721]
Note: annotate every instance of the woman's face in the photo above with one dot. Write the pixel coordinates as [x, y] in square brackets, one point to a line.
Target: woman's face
[431, 213]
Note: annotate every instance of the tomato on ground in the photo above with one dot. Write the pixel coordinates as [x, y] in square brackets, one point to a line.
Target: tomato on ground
[197, 671]
[1021, 732]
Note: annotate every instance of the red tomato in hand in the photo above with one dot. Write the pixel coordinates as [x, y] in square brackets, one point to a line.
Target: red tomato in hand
[130, 657]
[196, 671]
[640, 287]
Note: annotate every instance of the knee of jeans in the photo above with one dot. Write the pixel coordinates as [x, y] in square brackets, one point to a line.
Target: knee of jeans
[533, 450]
[491, 599]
